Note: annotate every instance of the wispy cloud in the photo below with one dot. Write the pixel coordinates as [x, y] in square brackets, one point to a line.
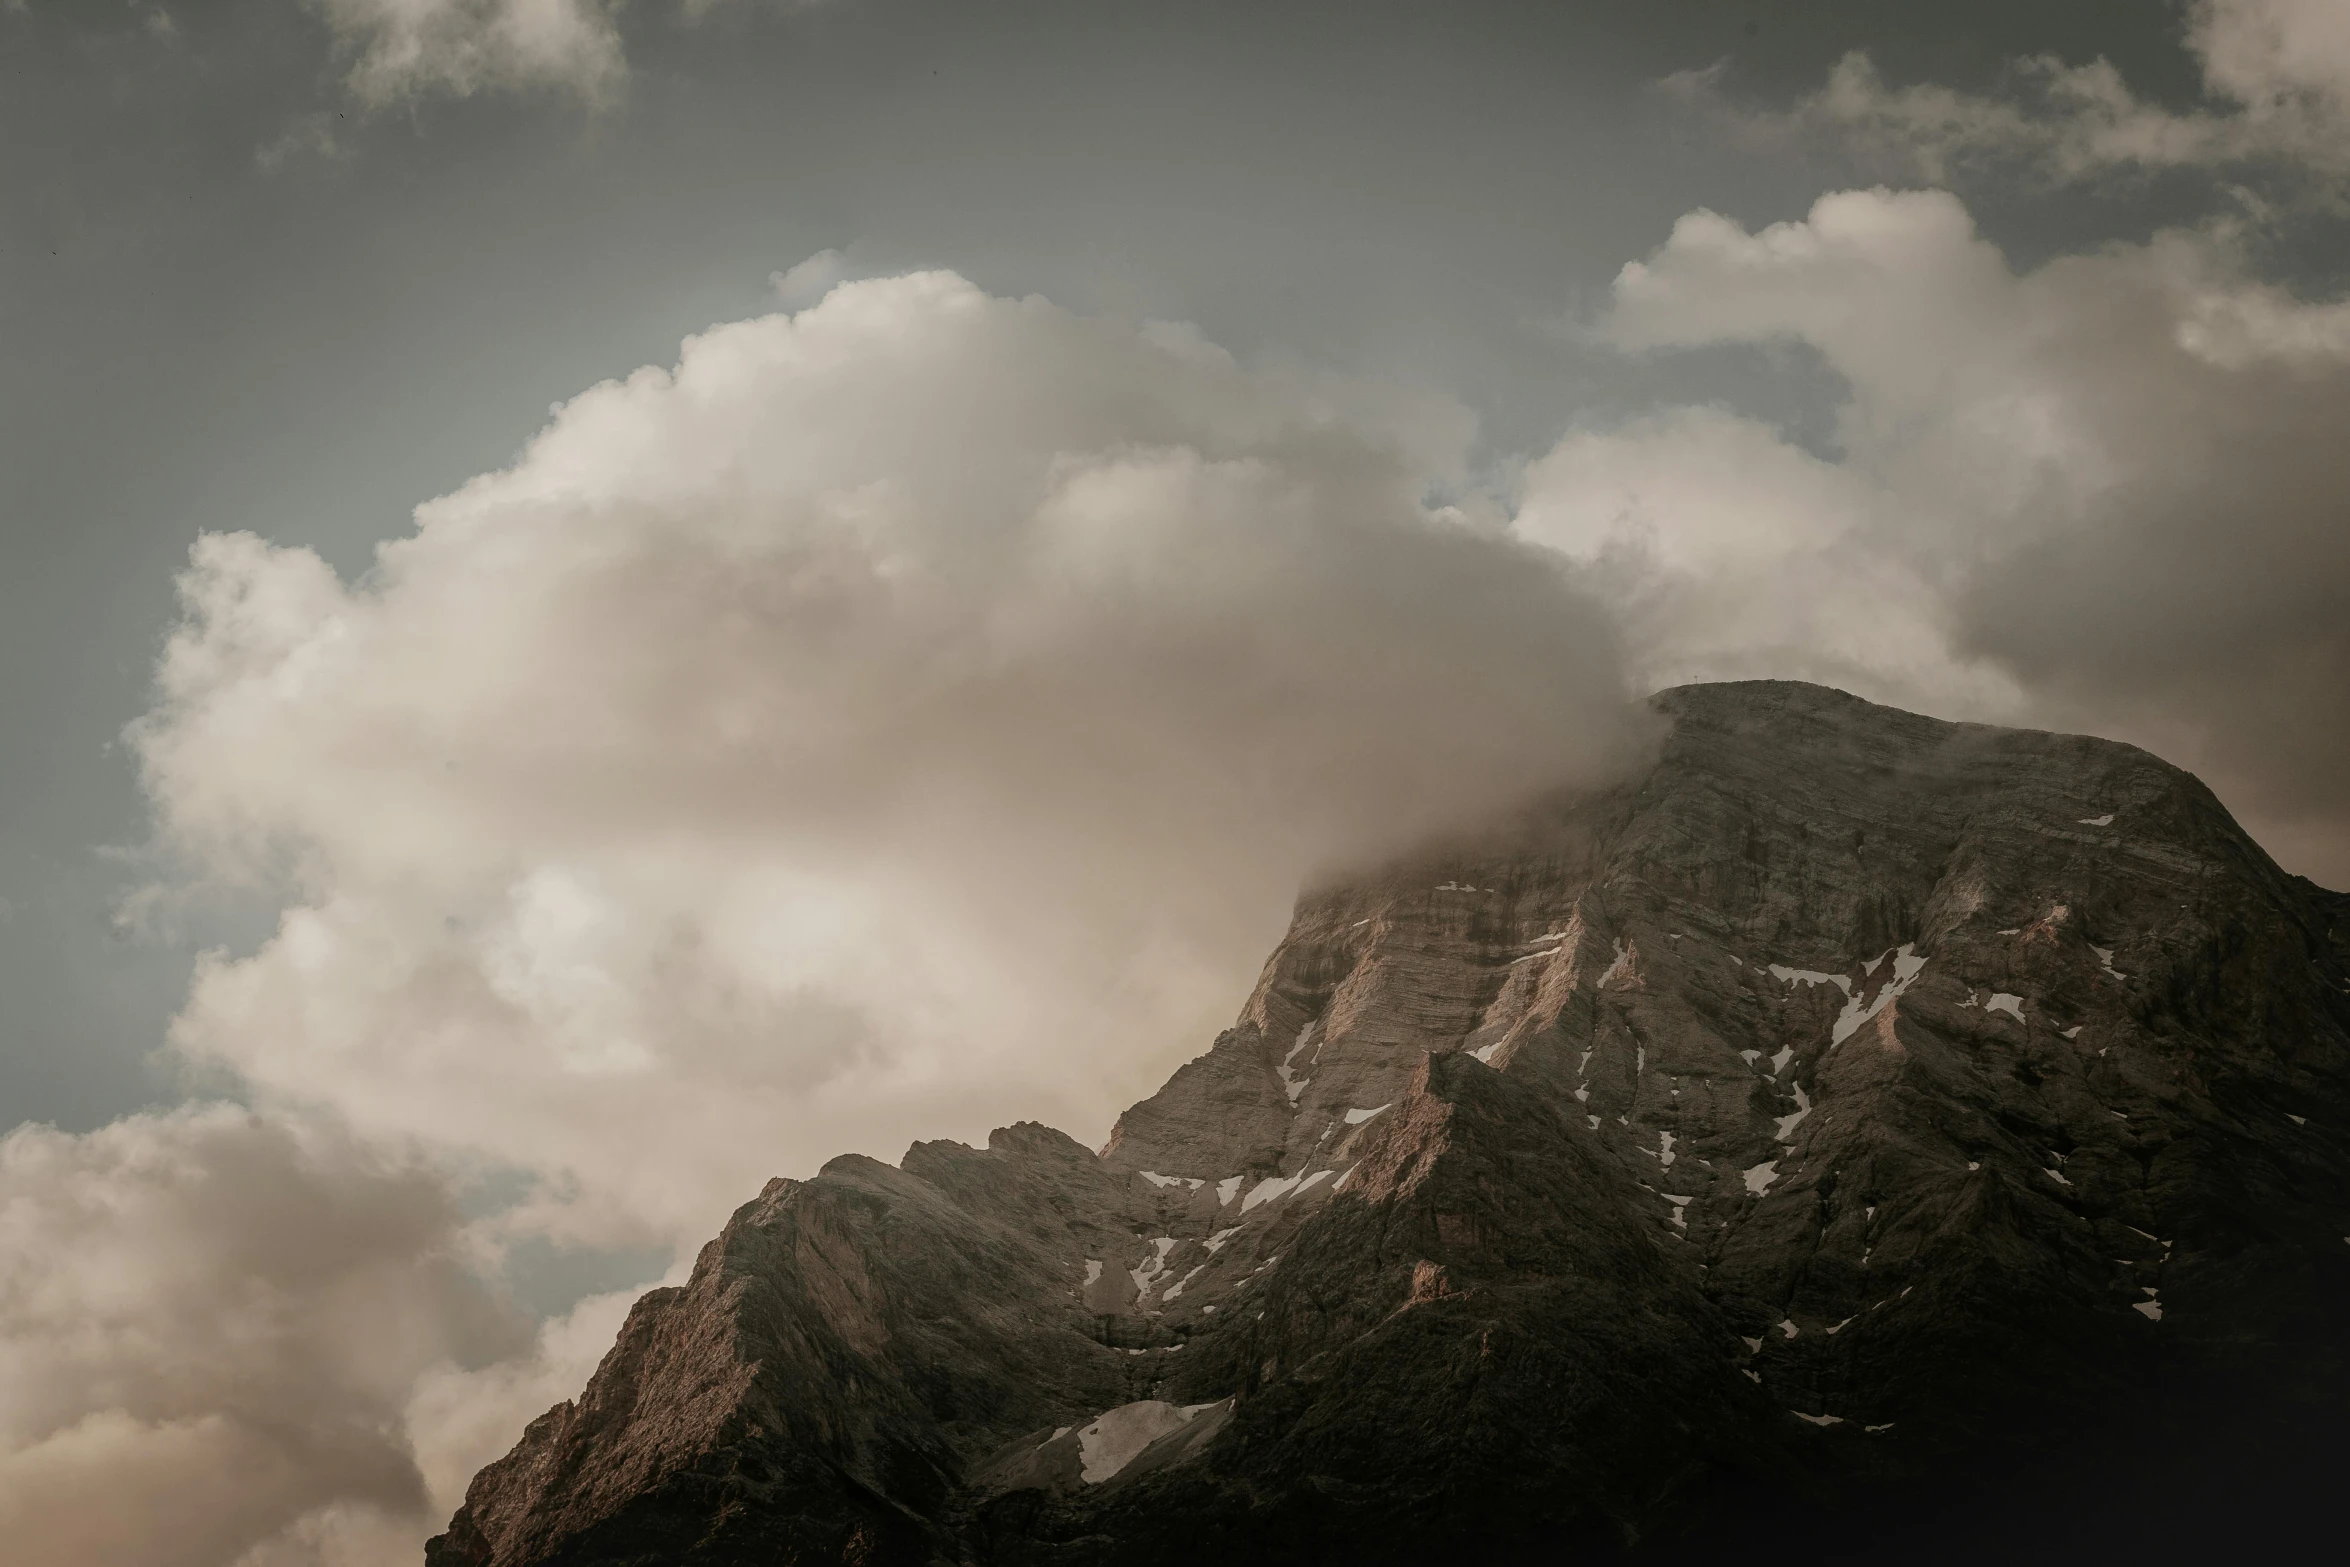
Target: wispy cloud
[2276, 75]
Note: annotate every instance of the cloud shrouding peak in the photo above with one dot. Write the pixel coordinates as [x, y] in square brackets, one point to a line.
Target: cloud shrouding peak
[2276, 74]
[902, 717]
[2105, 493]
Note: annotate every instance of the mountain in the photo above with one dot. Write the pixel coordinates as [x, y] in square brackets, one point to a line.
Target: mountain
[1856, 1132]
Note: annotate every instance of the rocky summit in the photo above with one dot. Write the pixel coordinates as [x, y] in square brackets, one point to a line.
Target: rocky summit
[1856, 1133]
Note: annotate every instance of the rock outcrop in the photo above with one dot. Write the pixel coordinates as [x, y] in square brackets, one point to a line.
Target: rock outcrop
[1858, 1129]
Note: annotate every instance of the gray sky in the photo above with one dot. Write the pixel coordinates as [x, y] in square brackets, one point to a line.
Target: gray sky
[1242, 436]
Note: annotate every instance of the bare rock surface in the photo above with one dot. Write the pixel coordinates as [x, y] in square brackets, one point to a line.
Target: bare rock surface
[1857, 1130]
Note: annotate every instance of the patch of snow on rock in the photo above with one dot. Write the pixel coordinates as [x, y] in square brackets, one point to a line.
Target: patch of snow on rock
[1152, 1266]
[1118, 1435]
[1267, 1190]
[1788, 1123]
[2001, 1001]
[1907, 966]
[1225, 1188]
[1358, 1117]
[2098, 821]
[1759, 1177]
[1290, 1081]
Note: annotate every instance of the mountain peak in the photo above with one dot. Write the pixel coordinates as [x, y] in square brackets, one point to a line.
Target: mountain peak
[1850, 1101]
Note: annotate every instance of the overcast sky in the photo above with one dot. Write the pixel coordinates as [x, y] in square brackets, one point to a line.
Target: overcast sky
[1121, 458]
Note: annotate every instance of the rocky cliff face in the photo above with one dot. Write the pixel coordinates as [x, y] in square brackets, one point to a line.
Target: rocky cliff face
[1858, 1130]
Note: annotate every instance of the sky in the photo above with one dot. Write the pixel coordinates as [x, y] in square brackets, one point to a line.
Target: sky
[603, 601]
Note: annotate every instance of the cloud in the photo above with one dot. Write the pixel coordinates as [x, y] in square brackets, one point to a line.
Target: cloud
[411, 48]
[2104, 493]
[408, 49]
[2276, 78]
[902, 717]
[211, 1330]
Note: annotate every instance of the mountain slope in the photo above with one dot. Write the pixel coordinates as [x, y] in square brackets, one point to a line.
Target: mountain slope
[1853, 1109]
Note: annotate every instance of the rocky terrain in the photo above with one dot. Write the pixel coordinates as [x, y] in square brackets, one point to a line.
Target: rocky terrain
[1857, 1132]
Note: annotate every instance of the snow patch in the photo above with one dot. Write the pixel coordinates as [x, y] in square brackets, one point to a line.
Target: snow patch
[2105, 962]
[1759, 1177]
[2001, 1001]
[1152, 1267]
[1269, 1189]
[1191, 1182]
[2098, 821]
[1788, 1327]
[1117, 1436]
[2073, 1032]
[1818, 1420]
[1623, 958]
[2151, 1306]
[1093, 1271]
[1290, 1081]
[1788, 1123]
[1664, 1149]
[1907, 966]
[1358, 1117]
[1176, 1288]
[1226, 1187]
[1809, 976]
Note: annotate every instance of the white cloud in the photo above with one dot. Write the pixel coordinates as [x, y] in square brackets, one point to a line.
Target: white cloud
[2276, 75]
[901, 718]
[1729, 553]
[410, 48]
[2104, 493]
[406, 49]
[211, 1330]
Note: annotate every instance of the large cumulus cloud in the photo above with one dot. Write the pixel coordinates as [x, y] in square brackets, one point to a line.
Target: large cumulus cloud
[899, 718]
